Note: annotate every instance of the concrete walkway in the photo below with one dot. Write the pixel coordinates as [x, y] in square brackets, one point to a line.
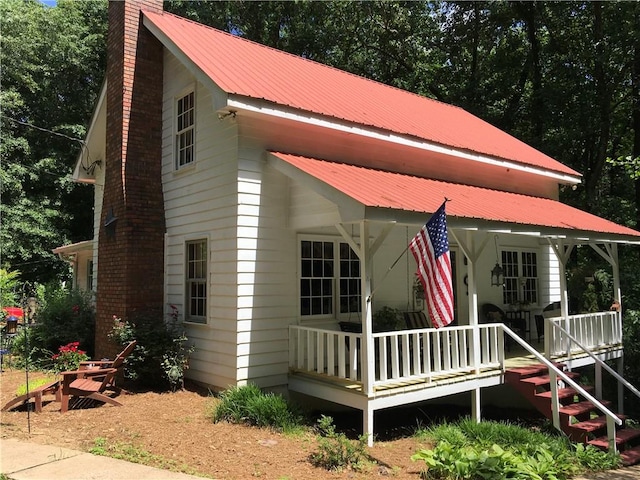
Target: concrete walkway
[31, 461]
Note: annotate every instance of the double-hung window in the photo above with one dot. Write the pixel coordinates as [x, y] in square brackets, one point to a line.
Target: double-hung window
[520, 277]
[196, 281]
[185, 130]
[329, 279]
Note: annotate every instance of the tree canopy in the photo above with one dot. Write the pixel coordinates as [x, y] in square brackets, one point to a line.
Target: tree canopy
[562, 76]
[53, 62]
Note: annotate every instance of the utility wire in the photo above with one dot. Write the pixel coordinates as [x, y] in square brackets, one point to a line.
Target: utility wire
[83, 144]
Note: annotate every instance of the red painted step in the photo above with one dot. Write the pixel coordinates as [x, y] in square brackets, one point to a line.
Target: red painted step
[541, 380]
[630, 456]
[622, 436]
[564, 393]
[580, 408]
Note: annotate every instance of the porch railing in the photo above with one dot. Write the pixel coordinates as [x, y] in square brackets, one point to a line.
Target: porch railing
[590, 331]
[400, 356]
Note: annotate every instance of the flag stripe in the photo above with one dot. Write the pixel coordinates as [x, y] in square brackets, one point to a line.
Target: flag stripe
[430, 248]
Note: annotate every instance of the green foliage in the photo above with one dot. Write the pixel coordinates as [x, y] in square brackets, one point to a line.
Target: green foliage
[388, 319]
[65, 317]
[631, 341]
[162, 353]
[249, 405]
[470, 450]
[53, 63]
[336, 451]
[8, 288]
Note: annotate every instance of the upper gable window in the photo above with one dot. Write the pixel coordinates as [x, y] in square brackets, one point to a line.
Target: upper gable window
[185, 130]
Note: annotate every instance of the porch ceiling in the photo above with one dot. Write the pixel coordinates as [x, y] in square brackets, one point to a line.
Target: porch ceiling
[389, 196]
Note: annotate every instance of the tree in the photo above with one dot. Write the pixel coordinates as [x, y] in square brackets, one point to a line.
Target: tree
[53, 62]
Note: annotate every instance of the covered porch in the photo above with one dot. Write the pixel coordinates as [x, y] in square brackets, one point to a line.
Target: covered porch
[375, 214]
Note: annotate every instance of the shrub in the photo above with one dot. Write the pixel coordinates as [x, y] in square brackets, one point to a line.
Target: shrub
[65, 317]
[249, 405]
[161, 355]
[336, 451]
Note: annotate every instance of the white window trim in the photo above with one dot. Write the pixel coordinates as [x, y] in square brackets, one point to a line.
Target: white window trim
[185, 299]
[520, 251]
[181, 94]
[336, 315]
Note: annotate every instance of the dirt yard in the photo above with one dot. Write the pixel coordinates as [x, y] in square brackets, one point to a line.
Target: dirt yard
[174, 428]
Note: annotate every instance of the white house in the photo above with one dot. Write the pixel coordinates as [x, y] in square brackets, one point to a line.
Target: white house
[269, 198]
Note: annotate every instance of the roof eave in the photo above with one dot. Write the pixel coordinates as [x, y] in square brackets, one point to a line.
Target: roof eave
[242, 103]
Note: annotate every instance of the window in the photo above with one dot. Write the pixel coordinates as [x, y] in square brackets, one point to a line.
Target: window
[89, 275]
[196, 281]
[185, 130]
[520, 277]
[320, 270]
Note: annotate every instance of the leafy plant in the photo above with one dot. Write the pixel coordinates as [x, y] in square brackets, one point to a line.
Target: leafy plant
[65, 316]
[470, 450]
[387, 319]
[249, 405]
[162, 353]
[336, 451]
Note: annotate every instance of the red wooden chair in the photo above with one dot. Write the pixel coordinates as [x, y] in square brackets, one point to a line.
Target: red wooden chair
[94, 379]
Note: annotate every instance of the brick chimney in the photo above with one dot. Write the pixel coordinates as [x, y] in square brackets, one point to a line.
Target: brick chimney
[132, 227]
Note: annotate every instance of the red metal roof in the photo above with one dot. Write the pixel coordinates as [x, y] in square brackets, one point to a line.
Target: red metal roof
[376, 188]
[241, 67]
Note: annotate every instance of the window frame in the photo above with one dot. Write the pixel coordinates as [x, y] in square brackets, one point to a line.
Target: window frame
[189, 317]
[336, 278]
[521, 276]
[178, 148]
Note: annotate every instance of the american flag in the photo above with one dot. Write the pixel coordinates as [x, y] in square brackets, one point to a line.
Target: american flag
[430, 248]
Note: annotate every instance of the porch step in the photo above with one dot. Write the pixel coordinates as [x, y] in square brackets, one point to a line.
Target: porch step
[580, 431]
[564, 393]
[534, 382]
[630, 456]
[539, 381]
[623, 436]
[627, 442]
[531, 370]
[580, 408]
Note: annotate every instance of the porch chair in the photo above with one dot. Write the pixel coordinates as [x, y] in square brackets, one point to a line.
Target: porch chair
[416, 320]
[493, 314]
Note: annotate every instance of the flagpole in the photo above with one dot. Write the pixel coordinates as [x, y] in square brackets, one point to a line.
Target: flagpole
[398, 259]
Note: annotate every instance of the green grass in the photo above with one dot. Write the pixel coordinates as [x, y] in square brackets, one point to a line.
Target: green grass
[135, 454]
[33, 384]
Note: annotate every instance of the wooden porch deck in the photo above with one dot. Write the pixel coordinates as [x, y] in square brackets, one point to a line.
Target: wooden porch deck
[418, 365]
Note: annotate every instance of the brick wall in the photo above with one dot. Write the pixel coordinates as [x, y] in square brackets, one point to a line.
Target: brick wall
[131, 249]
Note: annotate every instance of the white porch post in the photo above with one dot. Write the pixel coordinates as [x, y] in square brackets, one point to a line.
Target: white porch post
[368, 368]
[562, 252]
[468, 249]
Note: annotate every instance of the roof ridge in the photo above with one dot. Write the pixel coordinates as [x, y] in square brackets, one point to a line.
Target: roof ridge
[299, 57]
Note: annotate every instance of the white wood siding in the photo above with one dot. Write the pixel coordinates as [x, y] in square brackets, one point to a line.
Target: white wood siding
[200, 203]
